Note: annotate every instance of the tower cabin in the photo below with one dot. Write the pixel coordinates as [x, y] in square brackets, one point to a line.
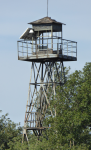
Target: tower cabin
[44, 43]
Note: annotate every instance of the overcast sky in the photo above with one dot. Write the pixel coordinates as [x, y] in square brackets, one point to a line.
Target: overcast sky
[14, 16]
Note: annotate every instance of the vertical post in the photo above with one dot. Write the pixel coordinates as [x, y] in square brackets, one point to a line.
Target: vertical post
[41, 96]
[53, 78]
[61, 43]
[30, 123]
[39, 39]
[63, 71]
[32, 44]
[22, 48]
[36, 45]
[57, 48]
[31, 118]
[57, 44]
[42, 73]
[67, 48]
[47, 43]
[52, 37]
[42, 41]
[61, 64]
[27, 50]
[35, 120]
[62, 48]
[53, 83]
[72, 49]
[61, 37]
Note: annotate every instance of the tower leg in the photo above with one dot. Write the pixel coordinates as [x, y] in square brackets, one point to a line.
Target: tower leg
[44, 79]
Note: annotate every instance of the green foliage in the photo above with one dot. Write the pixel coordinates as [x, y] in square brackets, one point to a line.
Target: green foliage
[70, 128]
[10, 135]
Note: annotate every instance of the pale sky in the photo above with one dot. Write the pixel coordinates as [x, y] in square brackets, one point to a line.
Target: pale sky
[14, 16]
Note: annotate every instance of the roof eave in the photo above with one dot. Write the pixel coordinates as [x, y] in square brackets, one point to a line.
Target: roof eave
[48, 23]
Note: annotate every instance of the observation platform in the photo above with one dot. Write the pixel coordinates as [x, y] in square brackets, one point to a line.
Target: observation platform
[44, 43]
[65, 51]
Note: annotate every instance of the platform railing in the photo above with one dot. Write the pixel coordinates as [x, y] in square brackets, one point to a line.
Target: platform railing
[69, 48]
[28, 49]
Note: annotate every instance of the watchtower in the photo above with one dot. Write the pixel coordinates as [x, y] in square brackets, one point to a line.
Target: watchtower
[44, 46]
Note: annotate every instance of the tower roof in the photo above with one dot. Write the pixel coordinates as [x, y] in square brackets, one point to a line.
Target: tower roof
[46, 20]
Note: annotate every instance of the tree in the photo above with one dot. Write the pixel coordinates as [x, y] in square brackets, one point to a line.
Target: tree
[70, 129]
[71, 126]
[10, 135]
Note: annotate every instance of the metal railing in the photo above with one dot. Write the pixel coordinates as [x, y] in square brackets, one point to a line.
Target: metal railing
[28, 49]
[68, 48]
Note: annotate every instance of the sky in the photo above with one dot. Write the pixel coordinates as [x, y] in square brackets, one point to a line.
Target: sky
[14, 16]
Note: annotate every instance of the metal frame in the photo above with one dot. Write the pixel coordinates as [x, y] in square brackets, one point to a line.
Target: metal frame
[44, 47]
[44, 82]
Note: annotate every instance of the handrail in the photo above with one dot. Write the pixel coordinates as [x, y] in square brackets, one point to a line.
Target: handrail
[62, 47]
[70, 40]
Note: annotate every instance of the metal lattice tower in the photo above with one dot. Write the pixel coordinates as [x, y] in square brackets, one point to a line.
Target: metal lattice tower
[44, 46]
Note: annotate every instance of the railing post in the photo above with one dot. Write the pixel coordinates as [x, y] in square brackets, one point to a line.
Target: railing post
[57, 49]
[39, 41]
[47, 47]
[52, 37]
[27, 50]
[36, 46]
[67, 48]
[22, 48]
[61, 42]
[62, 46]
[32, 44]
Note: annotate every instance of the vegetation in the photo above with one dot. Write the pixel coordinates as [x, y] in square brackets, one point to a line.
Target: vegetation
[70, 128]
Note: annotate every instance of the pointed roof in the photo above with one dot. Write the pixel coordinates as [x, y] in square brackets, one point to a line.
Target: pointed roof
[46, 20]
